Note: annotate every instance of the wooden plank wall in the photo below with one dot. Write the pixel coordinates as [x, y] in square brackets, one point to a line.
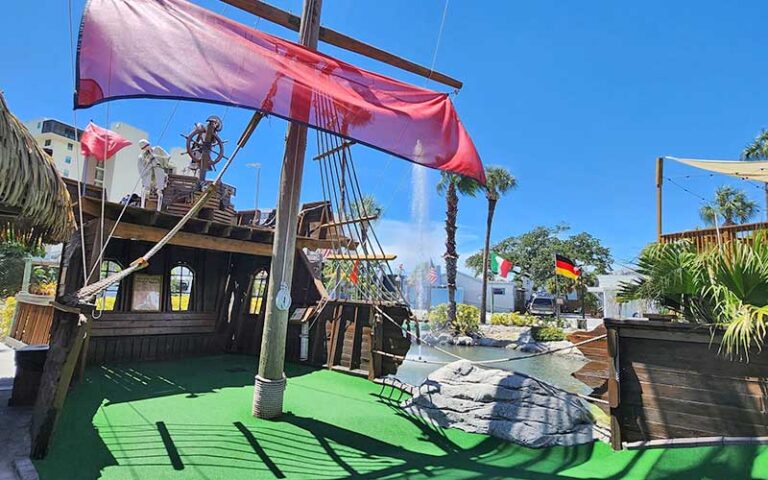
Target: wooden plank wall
[351, 337]
[595, 373]
[123, 335]
[151, 347]
[673, 384]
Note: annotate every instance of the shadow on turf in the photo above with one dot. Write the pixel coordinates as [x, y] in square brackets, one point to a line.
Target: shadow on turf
[318, 449]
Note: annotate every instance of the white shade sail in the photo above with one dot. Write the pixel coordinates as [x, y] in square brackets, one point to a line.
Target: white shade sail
[757, 170]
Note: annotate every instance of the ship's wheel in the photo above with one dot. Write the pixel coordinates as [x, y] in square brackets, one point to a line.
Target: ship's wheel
[204, 143]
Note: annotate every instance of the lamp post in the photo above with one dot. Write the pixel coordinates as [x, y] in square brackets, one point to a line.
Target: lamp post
[256, 214]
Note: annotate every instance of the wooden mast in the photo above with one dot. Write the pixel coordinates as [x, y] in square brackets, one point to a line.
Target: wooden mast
[270, 382]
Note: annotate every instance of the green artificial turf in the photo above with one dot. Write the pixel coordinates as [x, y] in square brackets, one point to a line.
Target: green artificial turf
[191, 419]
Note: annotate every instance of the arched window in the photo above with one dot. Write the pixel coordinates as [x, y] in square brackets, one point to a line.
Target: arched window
[107, 300]
[258, 291]
[182, 278]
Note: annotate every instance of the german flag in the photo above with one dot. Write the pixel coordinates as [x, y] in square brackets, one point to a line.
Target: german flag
[564, 266]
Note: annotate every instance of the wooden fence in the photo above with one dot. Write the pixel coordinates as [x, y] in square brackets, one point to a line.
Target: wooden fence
[666, 380]
[707, 237]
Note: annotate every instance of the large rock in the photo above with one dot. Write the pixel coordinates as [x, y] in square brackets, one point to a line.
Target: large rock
[508, 405]
[464, 340]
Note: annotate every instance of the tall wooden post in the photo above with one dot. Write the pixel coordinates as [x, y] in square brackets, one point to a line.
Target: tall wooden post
[659, 186]
[67, 334]
[269, 385]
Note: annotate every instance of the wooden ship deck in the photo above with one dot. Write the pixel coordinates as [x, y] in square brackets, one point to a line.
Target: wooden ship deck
[225, 251]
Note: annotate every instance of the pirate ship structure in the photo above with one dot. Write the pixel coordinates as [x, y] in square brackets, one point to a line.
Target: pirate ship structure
[186, 274]
[205, 291]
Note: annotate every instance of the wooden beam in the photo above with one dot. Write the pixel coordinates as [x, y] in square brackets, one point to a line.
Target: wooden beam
[208, 242]
[362, 258]
[185, 239]
[339, 223]
[332, 37]
[344, 145]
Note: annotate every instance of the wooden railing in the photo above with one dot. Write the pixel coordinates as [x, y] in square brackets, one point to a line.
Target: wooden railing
[707, 237]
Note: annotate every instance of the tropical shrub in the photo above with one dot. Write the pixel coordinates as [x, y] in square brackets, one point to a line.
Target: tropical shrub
[43, 280]
[438, 317]
[513, 319]
[6, 316]
[500, 318]
[726, 287]
[548, 333]
[467, 319]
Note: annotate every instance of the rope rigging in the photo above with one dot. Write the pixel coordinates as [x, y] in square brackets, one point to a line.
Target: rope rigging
[360, 267]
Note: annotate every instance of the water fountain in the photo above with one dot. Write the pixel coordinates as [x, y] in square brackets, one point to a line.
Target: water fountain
[420, 221]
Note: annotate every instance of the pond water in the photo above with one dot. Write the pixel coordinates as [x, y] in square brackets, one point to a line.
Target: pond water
[555, 369]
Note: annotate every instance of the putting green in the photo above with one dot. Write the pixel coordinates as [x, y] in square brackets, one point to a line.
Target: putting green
[191, 419]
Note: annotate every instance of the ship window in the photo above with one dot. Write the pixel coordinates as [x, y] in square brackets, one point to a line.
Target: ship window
[107, 300]
[258, 290]
[182, 278]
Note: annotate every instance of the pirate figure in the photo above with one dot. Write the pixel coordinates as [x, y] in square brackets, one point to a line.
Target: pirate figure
[153, 167]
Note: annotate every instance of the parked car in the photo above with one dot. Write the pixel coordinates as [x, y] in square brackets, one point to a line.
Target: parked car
[542, 306]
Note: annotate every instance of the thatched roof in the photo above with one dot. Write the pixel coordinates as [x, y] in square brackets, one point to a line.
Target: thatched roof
[34, 202]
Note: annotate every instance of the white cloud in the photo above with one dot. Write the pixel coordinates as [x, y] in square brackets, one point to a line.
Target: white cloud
[412, 246]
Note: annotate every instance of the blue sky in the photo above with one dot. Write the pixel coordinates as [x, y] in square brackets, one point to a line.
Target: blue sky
[577, 99]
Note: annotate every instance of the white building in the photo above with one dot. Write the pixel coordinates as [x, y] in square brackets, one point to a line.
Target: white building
[503, 295]
[607, 290]
[118, 174]
[60, 141]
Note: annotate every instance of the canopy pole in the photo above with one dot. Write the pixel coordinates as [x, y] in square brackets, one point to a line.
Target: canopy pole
[659, 188]
[269, 385]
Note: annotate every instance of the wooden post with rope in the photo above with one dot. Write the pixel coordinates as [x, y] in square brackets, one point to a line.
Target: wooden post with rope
[269, 385]
[67, 334]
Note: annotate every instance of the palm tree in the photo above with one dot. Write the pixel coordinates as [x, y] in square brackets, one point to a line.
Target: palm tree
[731, 204]
[758, 150]
[367, 206]
[451, 185]
[498, 181]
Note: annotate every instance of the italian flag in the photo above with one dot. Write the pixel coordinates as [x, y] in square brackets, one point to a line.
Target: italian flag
[500, 266]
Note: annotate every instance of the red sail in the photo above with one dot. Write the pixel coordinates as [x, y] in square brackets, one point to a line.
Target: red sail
[175, 49]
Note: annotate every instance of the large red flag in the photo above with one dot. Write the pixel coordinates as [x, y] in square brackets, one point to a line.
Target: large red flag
[101, 143]
[176, 49]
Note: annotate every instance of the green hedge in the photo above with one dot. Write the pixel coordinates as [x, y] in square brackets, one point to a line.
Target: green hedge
[548, 334]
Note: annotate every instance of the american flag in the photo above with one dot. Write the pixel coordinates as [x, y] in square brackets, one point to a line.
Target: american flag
[432, 273]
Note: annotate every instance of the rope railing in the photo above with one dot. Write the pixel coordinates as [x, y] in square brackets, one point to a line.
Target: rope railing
[487, 362]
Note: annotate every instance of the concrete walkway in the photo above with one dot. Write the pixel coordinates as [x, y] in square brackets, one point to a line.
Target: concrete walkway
[14, 426]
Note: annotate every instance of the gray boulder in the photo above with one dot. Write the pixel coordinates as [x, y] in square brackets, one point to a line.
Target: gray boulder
[507, 405]
[464, 341]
